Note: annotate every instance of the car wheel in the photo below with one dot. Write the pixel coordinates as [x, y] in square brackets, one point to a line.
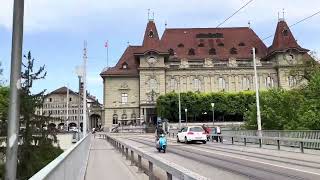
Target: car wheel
[204, 142]
[178, 139]
[185, 140]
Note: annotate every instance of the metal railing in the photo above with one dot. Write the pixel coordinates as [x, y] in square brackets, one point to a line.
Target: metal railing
[70, 165]
[274, 140]
[302, 134]
[171, 169]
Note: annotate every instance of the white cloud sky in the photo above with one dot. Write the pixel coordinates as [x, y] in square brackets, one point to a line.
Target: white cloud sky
[49, 15]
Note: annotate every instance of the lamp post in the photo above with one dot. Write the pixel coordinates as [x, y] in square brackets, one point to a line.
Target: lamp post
[257, 92]
[79, 74]
[186, 110]
[212, 105]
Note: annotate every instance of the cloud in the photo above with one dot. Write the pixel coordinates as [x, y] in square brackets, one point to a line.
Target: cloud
[59, 15]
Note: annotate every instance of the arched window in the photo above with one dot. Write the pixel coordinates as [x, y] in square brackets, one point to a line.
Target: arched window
[233, 51]
[212, 51]
[196, 84]
[191, 52]
[115, 119]
[241, 44]
[134, 117]
[180, 45]
[171, 52]
[222, 84]
[285, 32]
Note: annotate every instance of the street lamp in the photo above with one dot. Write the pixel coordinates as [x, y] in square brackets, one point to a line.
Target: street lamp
[79, 72]
[212, 105]
[257, 92]
[186, 110]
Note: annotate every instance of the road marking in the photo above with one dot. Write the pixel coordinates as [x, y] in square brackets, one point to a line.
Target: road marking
[294, 169]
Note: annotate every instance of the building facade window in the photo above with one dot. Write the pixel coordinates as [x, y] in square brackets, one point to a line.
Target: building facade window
[173, 84]
[269, 82]
[245, 83]
[196, 84]
[114, 119]
[153, 85]
[222, 84]
[292, 81]
[124, 98]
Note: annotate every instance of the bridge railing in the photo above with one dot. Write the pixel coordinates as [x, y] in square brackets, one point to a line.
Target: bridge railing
[70, 165]
[171, 169]
[301, 134]
[272, 140]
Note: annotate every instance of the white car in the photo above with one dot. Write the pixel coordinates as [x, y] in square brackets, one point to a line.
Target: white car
[192, 134]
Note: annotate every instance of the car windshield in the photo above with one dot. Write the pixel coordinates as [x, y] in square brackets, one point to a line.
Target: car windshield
[196, 129]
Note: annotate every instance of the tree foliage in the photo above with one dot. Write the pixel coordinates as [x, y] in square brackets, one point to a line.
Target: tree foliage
[37, 148]
[226, 104]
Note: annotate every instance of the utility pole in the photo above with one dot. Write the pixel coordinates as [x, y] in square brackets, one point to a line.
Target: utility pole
[257, 92]
[84, 89]
[15, 86]
[79, 72]
[67, 104]
[179, 107]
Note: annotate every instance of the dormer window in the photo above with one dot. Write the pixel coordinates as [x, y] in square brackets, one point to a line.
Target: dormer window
[233, 51]
[241, 44]
[285, 32]
[191, 52]
[212, 51]
[200, 45]
[180, 45]
[151, 33]
[124, 65]
[220, 44]
[171, 52]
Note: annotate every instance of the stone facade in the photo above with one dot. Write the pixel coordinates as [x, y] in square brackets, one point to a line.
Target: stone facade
[133, 85]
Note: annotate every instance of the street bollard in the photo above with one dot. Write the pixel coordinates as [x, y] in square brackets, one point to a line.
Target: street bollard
[127, 153]
[151, 177]
[132, 158]
[245, 141]
[232, 141]
[139, 163]
[301, 147]
[260, 143]
[278, 143]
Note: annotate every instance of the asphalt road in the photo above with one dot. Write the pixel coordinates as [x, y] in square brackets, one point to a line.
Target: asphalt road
[217, 161]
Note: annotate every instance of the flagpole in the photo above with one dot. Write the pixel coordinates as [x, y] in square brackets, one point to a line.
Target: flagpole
[107, 44]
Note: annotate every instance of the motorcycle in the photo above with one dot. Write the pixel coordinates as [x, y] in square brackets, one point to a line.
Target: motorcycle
[161, 143]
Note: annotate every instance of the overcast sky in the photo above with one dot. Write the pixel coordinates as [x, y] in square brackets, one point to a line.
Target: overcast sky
[55, 29]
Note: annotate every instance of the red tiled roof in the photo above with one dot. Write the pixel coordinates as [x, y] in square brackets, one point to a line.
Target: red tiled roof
[128, 58]
[283, 39]
[230, 37]
[63, 90]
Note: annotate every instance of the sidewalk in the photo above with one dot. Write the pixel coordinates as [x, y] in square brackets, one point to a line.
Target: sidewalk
[106, 163]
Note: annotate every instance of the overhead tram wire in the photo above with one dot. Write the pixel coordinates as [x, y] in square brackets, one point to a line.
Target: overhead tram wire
[295, 24]
[234, 13]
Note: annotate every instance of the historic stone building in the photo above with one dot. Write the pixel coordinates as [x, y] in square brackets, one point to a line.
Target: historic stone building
[196, 59]
[55, 105]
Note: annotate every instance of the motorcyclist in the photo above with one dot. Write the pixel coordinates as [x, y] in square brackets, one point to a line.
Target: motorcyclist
[159, 131]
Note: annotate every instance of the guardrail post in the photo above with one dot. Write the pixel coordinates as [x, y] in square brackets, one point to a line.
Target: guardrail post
[139, 163]
[132, 158]
[301, 147]
[232, 141]
[278, 143]
[127, 154]
[122, 149]
[260, 142]
[245, 141]
[169, 176]
[150, 171]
